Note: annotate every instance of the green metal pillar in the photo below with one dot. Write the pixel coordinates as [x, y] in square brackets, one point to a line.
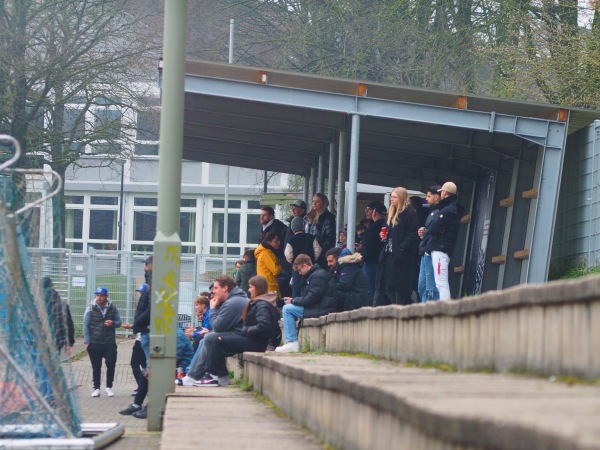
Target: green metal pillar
[167, 243]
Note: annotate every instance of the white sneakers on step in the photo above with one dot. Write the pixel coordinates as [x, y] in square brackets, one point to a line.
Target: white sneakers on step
[290, 347]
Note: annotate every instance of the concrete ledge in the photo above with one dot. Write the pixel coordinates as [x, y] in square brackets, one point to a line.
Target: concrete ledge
[541, 329]
[357, 403]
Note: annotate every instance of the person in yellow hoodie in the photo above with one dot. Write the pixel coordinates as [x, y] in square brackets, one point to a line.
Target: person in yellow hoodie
[267, 263]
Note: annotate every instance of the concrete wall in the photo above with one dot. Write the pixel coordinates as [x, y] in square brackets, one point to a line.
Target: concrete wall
[538, 329]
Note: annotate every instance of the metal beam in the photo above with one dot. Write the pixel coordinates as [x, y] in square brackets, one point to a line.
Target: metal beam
[353, 180]
[538, 263]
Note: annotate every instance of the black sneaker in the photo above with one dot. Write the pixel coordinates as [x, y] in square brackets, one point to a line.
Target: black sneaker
[207, 380]
[131, 409]
[142, 414]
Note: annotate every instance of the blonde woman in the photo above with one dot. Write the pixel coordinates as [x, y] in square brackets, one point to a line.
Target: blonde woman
[321, 224]
[395, 269]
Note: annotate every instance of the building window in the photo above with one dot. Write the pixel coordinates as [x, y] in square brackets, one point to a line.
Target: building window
[107, 123]
[146, 149]
[91, 221]
[243, 228]
[147, 125]
[145, 221]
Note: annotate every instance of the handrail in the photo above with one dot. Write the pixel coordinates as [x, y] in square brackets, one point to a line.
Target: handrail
[17, 155]
[44, 197]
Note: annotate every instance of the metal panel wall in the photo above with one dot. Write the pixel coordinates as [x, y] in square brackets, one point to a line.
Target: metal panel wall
[577, 232]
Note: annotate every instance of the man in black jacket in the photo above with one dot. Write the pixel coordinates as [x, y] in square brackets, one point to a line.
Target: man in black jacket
[444, 233]
[372, 243]
[318, 299]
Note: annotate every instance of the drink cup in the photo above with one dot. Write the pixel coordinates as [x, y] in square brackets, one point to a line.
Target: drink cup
[383, 233]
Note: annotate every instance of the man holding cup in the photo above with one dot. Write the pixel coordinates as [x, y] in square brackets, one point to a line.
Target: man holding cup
[427, 288]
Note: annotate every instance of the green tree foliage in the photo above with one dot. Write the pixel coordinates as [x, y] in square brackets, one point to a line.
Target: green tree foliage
[543, 50]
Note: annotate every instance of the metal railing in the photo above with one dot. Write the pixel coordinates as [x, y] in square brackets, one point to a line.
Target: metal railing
[75, 276]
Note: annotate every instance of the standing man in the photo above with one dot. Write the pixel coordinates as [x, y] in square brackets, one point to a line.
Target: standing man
[372, 243]
[444, 233]
[426, 286]
[271, 225]
[60, 317]
[100, 321]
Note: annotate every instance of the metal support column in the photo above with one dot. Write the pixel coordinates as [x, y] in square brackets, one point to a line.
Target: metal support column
[306, 194]
[538, 263]
[341, 189]
[320, 176]
[167, 243]
[331, 174]
[312, 182]
[353, 180]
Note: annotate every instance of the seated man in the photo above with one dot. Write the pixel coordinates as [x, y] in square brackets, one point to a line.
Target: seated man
[352, 285]
[318, 299]
[226, 307]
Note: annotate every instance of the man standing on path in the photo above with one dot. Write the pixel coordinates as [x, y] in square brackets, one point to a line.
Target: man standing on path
[100, 321]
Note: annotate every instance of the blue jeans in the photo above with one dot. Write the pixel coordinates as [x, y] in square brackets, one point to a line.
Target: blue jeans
[290, 314]
[145, 341]
[195, 357]
[427, 288]
[370, 270]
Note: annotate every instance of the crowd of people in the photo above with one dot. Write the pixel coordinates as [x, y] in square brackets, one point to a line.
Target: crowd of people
[298, 271]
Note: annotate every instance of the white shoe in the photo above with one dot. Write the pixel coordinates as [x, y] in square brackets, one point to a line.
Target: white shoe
[96, 393]
[290, 347]
[187, 381]
[109, 392]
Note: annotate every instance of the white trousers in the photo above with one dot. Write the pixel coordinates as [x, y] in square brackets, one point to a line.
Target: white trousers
[440, 273]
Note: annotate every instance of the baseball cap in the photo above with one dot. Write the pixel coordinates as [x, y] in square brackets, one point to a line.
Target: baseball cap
[381, 209]
[300, 204]
[101, 290]
[148, 260]
[449, 186]
[374, 204]
[143, 288]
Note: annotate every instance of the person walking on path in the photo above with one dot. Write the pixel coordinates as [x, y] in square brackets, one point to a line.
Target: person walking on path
[100, 321]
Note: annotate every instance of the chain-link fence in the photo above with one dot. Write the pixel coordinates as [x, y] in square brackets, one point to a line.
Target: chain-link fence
[75, 276]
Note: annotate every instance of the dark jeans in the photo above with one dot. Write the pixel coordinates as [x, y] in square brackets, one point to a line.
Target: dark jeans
[138, 360]
[97, 352]
[219, 345]
[142, 391]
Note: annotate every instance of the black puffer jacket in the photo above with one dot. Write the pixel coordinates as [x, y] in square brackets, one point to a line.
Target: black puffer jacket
[353, 289]
[261, 317]
[318, 294]
[444, 231]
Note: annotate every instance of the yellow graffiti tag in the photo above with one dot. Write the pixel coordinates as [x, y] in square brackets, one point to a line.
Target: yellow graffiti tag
[165, 308]
[169, 280]
[173, 254]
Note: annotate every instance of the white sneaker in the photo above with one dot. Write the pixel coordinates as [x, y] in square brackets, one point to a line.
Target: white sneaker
[290, 347]
[109, 392]
[187, 381]
[96, 393]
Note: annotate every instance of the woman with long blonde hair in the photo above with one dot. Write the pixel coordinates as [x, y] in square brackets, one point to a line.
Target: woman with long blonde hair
[321, 224]
[396, 263]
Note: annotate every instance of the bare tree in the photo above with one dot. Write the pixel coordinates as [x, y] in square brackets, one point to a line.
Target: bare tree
[70, 71]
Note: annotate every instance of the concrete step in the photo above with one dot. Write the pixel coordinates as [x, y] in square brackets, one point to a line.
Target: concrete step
[363, 403]
[227, 418]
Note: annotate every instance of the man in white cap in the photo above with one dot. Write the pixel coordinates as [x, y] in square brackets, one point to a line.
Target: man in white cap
[443, 233]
